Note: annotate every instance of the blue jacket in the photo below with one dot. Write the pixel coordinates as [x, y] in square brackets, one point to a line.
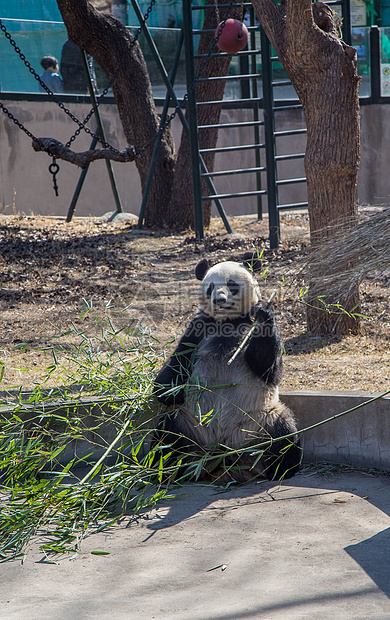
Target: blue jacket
[52, 81]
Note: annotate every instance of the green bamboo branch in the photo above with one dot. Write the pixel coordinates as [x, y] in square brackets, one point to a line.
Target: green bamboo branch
[248, 335]
[265, 444]
[106, 452]
[317, 424]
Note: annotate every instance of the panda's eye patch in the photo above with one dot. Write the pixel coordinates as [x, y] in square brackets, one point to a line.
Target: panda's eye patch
[210, 290]
[234, 288]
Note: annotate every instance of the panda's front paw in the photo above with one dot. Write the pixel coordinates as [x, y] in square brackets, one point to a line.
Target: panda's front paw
[263, 312]
[169, 397]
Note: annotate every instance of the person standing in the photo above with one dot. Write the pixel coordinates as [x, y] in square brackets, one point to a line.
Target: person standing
[50, 76]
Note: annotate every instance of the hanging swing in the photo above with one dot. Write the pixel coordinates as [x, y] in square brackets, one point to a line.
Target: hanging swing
[58, 150]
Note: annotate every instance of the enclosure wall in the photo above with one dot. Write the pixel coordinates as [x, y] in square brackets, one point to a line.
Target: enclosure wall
[26, 184]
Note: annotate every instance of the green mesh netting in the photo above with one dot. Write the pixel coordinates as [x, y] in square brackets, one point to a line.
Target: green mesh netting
[36, 26]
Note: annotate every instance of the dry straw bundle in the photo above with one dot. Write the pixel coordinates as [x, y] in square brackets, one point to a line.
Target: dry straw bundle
[354, 251]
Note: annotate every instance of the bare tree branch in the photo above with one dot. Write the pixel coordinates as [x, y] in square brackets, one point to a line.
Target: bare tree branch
[57, 149]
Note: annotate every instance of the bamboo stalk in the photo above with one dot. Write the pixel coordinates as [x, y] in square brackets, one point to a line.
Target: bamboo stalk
[106, 452]
[248, 335]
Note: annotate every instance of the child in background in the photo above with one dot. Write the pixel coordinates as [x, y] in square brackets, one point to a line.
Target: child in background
[50, 76]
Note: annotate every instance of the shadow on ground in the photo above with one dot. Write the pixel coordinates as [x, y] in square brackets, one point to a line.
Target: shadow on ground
[372, 553]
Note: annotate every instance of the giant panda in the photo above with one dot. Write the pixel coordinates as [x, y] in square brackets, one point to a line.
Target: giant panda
[210, 402]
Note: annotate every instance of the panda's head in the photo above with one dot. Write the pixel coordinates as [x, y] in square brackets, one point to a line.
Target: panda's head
[228, 290]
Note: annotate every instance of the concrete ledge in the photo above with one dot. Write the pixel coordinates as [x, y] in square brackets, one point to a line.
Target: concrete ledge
[93, 435]
[360, 438]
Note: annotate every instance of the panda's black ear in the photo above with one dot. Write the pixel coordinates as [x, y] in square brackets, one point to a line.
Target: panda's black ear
[252, 261]
[202, 268]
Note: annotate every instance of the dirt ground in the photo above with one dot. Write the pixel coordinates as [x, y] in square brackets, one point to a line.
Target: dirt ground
[50, 271]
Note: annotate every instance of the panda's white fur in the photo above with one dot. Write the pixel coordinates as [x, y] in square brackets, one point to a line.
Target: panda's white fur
[241, 406]
[237, 404]
[240, 411]
[222, 303]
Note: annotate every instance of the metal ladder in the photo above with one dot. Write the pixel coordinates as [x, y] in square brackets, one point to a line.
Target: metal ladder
[248, 78]
[266, 148]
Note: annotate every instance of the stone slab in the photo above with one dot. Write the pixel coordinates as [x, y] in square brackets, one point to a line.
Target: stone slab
[361, 438]
[312, 548]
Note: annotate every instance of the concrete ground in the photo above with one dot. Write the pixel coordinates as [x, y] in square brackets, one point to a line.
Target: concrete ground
[315, 547]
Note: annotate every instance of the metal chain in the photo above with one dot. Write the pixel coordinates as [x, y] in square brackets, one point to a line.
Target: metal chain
[216, 6]
[18, 123]
[49, 92]
[53, 167]
[81, 124]
[138, 152]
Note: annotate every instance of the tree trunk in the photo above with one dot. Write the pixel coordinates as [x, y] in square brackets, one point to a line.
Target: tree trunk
[170, 202]
[109, 42]
[323, 72]
[208, 90]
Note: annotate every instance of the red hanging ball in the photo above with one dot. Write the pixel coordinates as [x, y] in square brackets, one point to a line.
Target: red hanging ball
[234, 36]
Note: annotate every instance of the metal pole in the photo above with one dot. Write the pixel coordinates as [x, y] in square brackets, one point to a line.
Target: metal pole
[100, 131]
[269, 133]
[181, 115]
[375, 66]
[255, 95]
[193, 120]
[158, 141]
[244, 70]
[347, 24]
[79, 185]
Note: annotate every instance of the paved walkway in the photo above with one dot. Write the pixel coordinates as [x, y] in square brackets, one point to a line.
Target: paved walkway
[314, 547]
